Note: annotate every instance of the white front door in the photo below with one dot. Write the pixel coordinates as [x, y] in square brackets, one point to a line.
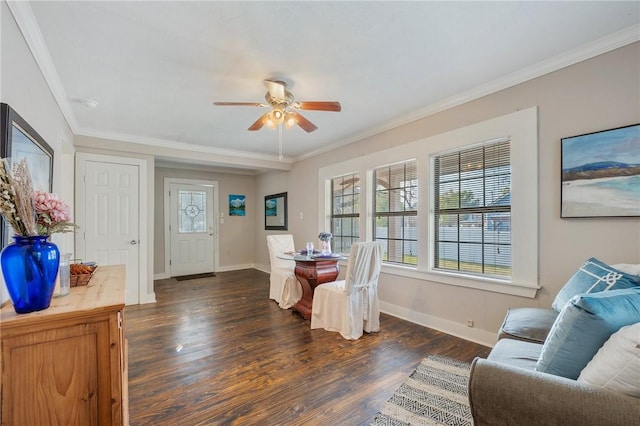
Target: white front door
[110, 231]
[192, 229]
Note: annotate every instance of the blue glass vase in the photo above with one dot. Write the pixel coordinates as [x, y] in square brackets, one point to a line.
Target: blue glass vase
[30, 267]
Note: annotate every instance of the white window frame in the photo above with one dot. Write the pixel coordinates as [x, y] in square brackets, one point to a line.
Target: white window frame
[332, 216]
[403, 214]
[521, 128]
[434, 193]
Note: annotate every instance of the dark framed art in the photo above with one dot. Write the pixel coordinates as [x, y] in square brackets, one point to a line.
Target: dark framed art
[275, 212]
[601, 174]
[19, 140]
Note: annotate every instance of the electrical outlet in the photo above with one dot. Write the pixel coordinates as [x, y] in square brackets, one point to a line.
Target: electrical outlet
[469, 323]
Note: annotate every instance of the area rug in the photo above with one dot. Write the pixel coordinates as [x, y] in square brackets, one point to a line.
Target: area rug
[194, 276]
[434, 394]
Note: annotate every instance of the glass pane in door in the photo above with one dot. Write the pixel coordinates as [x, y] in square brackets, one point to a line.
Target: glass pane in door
[192, 211]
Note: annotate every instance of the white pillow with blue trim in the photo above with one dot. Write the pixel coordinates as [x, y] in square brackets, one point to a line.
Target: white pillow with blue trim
[592, 277]
[583, 326]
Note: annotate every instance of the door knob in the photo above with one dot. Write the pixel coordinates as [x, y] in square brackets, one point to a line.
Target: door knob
[133, 242]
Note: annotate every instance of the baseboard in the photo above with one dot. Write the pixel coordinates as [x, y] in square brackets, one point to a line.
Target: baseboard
[235, 267]
[453, 328]
[263, 268]
[150, 298]
[165, 275]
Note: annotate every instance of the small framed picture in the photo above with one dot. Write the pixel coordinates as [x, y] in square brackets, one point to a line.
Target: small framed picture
[237, 205]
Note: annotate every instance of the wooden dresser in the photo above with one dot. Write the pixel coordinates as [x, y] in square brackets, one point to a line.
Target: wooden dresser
[67, 365]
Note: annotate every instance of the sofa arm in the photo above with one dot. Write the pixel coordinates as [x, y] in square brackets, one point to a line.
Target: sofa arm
[501, 394]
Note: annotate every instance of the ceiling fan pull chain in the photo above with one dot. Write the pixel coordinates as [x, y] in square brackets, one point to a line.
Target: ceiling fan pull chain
[280, 142]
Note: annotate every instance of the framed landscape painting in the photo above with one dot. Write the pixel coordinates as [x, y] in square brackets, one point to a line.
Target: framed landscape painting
[601, 174]
[237, 205]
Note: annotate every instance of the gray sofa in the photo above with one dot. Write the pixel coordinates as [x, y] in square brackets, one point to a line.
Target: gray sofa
[505, 389]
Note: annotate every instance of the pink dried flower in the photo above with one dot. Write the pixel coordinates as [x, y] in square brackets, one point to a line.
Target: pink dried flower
[52, 214]
[48, 203]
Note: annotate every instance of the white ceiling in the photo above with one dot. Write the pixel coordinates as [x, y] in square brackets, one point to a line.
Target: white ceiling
[155, 68]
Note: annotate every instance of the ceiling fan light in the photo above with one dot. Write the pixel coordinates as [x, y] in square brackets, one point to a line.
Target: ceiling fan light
[290, 120]
[276, 116]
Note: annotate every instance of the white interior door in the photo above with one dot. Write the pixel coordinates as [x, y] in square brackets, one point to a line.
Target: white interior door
[191, 229]
[111, 219]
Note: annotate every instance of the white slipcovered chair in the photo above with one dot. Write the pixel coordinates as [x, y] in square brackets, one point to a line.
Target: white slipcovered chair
[350, 306]
[284, 287]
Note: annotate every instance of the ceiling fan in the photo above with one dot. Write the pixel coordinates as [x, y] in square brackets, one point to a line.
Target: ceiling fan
[284, 108]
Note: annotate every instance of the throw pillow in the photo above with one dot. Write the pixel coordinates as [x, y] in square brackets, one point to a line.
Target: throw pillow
[628, 268]
[616, 366]
[582, 327]
[592, 277]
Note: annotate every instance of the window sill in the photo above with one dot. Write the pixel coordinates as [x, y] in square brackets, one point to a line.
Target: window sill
[478, 283]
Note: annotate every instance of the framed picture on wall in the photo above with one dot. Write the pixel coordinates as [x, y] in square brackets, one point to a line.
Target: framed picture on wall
[275, 212]
[601, 173]
[18, 140]
[237, 205]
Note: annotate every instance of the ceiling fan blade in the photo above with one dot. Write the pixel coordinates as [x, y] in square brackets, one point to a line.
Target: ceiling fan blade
[260, 122]
[255, 104]
[318, 106]
[276, 89]
[303, 122]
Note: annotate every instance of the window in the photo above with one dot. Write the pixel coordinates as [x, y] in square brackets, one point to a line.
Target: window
[396, 208]
[345, 212]
[472, 210]
[501, 230]
[192, 211]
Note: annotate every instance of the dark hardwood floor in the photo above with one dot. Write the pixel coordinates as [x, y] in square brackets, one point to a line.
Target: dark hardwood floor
[217, 351]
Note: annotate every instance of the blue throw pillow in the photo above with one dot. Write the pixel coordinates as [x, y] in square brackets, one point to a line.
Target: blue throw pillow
[592, 277]
[583, 326]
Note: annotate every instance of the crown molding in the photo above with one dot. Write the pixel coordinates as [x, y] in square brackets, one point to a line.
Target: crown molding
[23, 15]
[587, 51]
[181, 146]
[205, 167]
[177, 152]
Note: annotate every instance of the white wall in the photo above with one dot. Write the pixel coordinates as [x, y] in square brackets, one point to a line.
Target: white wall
[26, 91]
[597, 94]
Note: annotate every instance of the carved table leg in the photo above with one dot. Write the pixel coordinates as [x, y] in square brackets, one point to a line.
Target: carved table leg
[312, 273]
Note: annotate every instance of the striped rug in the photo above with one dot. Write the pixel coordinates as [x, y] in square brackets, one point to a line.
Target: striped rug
[434, 394]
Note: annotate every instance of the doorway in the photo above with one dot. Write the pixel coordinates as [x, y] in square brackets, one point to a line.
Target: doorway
[110, 202]
[191, 231]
